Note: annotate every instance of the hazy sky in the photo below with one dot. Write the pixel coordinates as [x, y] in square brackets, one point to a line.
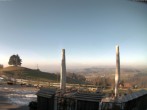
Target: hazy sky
[37, 30]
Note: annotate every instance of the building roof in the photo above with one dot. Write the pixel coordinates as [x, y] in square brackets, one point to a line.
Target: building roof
[132, 96]
[47, 93]
[92, 97]
[143, 1]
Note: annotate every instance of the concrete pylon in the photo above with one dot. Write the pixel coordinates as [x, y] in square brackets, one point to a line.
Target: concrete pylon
[117, 73]
[63, 73]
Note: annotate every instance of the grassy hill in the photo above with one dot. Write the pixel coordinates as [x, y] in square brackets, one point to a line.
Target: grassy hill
[26, 73]
[33, 74]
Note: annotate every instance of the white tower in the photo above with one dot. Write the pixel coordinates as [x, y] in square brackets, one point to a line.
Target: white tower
[63, 73]
[117, 73]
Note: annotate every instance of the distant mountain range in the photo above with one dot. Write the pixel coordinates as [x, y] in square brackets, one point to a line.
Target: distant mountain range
[108, 72]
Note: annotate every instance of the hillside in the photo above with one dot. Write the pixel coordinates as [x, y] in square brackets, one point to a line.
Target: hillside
[26, 73]
[33, 74]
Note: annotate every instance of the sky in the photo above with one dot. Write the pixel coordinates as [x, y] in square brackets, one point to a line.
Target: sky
[89, 30]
